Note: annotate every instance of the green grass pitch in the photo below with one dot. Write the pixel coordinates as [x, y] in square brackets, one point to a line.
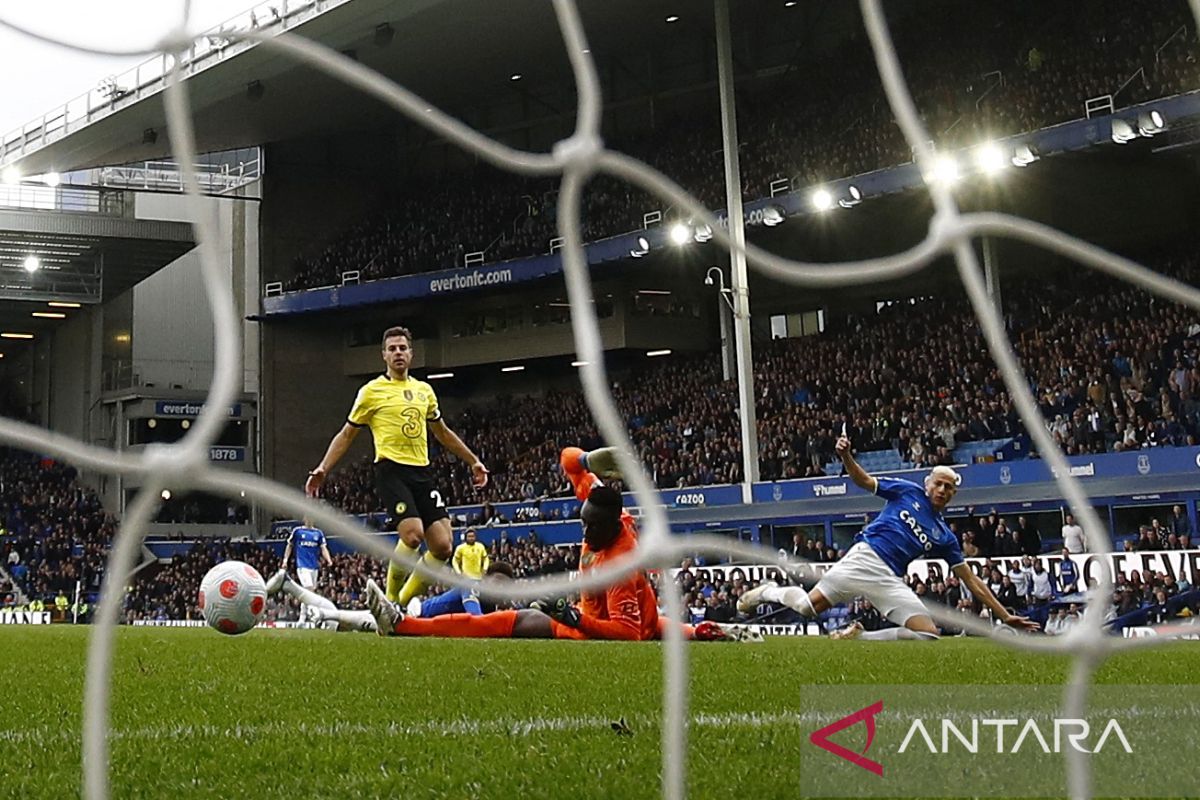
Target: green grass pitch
[305, 714]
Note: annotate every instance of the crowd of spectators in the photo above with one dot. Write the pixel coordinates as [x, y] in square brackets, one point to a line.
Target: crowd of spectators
[992, 74]
[54, 532]
[1112, 369]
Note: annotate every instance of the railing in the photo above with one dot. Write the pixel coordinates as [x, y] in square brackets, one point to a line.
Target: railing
[471, 259]
[62, 198]
[148, 78]
[1098, 105]
[272, 289]
[1145, 83]
[166, 176]
[996, 84]
[350, 277]
[1179, 33]
[650, 218]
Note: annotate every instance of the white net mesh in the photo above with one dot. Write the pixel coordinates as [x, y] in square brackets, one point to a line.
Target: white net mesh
[185, 464]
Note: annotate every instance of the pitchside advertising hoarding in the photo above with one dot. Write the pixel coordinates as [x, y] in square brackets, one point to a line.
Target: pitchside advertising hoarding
[993, 741]
[1179, 564]
[24, 617]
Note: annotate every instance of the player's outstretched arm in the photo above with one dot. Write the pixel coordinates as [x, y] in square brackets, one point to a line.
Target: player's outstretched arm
[980, 589]
[861, 478]
[451, 441]
[338, 446]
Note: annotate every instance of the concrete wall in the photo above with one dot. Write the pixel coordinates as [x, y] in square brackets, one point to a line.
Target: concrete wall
[172, 337]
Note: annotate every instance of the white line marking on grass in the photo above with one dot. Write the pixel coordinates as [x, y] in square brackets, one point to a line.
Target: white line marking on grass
[460, 727]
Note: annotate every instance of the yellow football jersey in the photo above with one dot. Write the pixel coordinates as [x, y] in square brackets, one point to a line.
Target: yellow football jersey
[471, 559]
[397, 412]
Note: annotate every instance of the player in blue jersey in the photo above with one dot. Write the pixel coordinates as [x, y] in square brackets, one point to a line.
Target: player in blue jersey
[909, 527]
[467, 601]
[310, 548]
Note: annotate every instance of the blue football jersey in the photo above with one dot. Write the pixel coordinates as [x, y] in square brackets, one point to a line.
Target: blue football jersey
[307, 544]
[908, 528]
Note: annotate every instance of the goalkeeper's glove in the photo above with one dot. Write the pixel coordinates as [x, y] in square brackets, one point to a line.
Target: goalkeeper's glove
[602, 461]
[559, 608]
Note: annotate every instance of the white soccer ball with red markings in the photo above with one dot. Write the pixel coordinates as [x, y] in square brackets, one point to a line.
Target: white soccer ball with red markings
[233, 597]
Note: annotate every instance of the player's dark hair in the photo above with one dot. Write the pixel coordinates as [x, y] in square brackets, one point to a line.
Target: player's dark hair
[396, 330]
[501, 568]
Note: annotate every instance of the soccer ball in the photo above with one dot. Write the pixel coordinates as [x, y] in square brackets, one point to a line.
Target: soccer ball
[233, 597]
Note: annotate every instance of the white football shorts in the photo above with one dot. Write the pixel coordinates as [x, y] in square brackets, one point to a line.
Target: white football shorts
[307, 577]
[861, 572]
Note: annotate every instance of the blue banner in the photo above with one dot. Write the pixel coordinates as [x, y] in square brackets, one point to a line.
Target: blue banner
[180, 408]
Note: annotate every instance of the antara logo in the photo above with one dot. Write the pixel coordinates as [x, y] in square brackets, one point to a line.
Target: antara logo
[821, 738]
[1075, 732]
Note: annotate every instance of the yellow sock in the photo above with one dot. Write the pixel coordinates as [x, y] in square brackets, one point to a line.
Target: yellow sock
[396, 574]
[416, 583]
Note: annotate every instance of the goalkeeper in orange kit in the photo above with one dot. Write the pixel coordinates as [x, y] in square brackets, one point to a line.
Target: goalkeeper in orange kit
[627, 610]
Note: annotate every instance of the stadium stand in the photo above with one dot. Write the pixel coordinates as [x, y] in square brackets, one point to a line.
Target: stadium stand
[55, 531]
[1023, 78]
[1113, 371]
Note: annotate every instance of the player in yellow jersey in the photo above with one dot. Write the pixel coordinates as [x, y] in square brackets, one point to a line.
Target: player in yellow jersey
[471, 557]
[400, 410]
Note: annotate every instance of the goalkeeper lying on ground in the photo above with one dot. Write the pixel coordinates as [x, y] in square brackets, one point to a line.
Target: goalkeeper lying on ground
[627, 610]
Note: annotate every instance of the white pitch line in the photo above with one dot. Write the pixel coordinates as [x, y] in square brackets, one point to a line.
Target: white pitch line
[462, 727]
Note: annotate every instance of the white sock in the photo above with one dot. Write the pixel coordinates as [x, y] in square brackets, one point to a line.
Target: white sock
[794, 597]
[892, 634]
[352, 620]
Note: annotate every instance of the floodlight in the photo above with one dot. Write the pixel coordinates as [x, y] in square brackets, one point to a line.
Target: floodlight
[945, 170]
[52, 179]
[1151, 122]
[1122, 131]
[822, 200]
[31, 263]
[853, 197]
[680, 234]
[990, 158]
[1024, 155]
[11, 176]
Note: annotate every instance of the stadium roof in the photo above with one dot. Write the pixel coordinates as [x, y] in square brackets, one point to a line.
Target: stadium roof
[454, 53]
[82, 257]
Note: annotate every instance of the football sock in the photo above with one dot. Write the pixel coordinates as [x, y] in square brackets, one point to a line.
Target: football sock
[892, 634]
[415, 583]
[794, 597]
[396, 575]
[497, 625]
[352, 620]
